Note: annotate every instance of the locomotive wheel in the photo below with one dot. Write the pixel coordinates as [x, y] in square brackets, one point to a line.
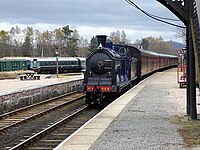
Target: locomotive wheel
[180, 85]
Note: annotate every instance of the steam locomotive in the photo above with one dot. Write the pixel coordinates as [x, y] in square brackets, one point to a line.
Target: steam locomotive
[112, 69]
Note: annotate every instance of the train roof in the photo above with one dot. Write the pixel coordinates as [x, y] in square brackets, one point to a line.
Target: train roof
[54, 58]
[156, 54]
[15, 58]
[143, 51]
[41, 58]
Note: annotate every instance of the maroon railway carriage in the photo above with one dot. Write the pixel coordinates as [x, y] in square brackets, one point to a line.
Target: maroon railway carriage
[150, 62]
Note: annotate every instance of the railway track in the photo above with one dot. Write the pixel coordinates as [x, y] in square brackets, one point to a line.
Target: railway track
[21, 126]
[22, 115]
[50, 137]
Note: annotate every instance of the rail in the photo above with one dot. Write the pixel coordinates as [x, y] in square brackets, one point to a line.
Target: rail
[30, 140]
[22, 115]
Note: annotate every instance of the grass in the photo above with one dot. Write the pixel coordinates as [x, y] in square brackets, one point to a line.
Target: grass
[10, 75]
[189, 130]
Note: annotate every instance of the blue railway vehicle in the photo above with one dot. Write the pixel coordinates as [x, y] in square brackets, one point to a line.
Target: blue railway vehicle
[112, 69]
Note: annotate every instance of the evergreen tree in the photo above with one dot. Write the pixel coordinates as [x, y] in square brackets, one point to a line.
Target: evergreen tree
[93, 44]
[26, 47]
[145, 43]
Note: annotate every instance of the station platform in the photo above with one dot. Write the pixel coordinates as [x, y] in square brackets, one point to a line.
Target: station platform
[17, 93]
[140, 119]
[16, 85]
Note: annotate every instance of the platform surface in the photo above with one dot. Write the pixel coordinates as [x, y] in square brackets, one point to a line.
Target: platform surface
[140, 119]
[15, 85]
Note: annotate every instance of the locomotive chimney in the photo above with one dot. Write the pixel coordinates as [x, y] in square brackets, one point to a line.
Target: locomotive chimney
[101, 40]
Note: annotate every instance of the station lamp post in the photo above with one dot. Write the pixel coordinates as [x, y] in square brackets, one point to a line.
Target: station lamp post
[57, 54]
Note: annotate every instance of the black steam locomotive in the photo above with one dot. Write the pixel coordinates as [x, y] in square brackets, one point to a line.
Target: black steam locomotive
[112, 69]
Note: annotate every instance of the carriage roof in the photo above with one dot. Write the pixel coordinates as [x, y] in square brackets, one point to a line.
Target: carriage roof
[54, 59]
[143, 51]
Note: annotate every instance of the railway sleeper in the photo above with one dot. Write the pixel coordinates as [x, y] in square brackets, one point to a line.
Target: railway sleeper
[51, 141]
[57, 137]
[42, 148]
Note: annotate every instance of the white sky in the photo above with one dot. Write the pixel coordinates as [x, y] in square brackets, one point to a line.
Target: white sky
[89, 17]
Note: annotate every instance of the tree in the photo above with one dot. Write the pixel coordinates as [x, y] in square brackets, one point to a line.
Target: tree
[38, 44]
[93, 44]
[74, 43]
[115, 36]
[181, 33]
[123, 38]
[27, 46]
[59, 39]
[67, 31]
[145, 43]
[119, 37]
[15, 35]
[15, 40]
[159, 45]
[47, 38]
[83, 47]
[137, 43]
[156, 45]
[4, 45]
[68, 41]
[32, 42]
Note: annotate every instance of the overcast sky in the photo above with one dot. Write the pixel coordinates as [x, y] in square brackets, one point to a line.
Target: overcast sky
[89, 17]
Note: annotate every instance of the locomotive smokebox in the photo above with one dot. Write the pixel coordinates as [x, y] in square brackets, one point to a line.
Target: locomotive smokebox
[101, 40]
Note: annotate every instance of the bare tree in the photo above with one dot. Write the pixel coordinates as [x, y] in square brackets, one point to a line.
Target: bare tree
[15, 40]
[181, 33]
[83, 45]
[119, 37]
[59, 39]
[159, 45]
[47, 40]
